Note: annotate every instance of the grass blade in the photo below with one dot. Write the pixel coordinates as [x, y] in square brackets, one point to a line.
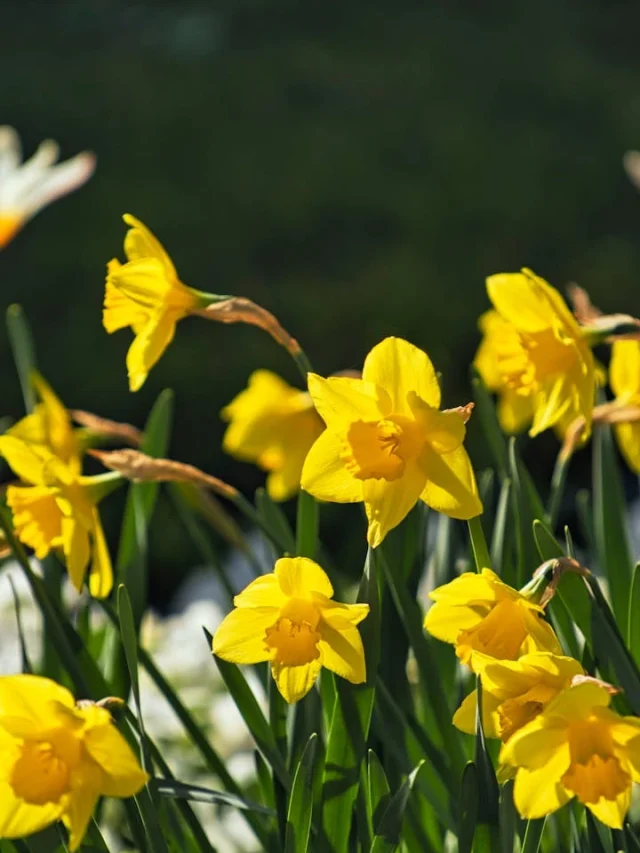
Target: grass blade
[300, 809]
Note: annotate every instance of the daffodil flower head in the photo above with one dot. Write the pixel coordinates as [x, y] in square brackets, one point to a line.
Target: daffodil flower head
[146, 294]
[289, 618]
[272, 425]
[388, 444]
[576, 747]
[58, 758]
[535, 356]
[514, 691]
[49, 426]
[25, 188]
[624, 376]
[58, 510]
[479, 613]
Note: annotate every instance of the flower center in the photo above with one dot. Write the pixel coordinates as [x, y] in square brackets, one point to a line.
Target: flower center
[379, 449]
[39, 775]
[595, 771]
[500, 634]
[294, 638]
[514, 713]
[526, 359]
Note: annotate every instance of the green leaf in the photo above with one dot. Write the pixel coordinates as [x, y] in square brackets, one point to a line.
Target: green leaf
[300, 809]
[307, 525]
[24, 354]
[131, 562]
[527, 507]
[509, 818]
[488, 790]
[469, 803]
[498, 537]
[388, 831]
[182, 791]
[609, 513]
[486, 411]
[378, 790]
[252, 714]
[26, 663]
[274, 522]
[533, 836]
[633, 623]
[350, 722]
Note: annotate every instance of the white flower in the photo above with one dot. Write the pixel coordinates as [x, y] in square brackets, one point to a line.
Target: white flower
[25, 188]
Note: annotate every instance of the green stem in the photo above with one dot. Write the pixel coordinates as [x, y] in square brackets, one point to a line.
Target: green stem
[479, 544]
[558, 482]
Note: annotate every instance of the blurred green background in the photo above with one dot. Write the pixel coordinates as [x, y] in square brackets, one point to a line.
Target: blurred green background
[357, 168]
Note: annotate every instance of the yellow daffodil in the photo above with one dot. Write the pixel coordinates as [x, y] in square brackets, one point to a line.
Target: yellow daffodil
[288, 618]
[146, 294]
[57, 759]
[535, 356]
[58, 509]
[624, 376]
[514, 692]
[273, 425]
[49, 426]
[25, 188]
[387, 443]
[479, 613]
[576, 747]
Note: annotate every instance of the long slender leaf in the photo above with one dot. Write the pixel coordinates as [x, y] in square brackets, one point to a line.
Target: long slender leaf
[387, 837]
[300, 809]
[307, 525]
[633, 622]
[24, 354]
[533, 836]
[469, 799]
[179, 790]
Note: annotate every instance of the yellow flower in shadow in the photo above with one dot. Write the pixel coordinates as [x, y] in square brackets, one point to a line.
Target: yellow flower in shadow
[58, 758]
[535, 356]
[273, 425]
[624, 376]
[388, 444]
[289, 618]
[58, 510]
[49, 426]
[576, 747]
[514, 692]
[479, 613]
[146, 294]
[25, 188]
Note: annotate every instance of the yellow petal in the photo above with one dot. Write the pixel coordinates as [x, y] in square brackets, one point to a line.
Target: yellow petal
[451, 484]
[36, 517]
[540, 792]
[552, 403]
[578, 701]
[471, 588]
[29, 704]
[341, 400]
[515, 411]
[612, 812]
[119, 310]
[101, 571]
[628, 438]
[18, 818]
[75, 543]
[264, 591]
[294, 682]
[324, 475]
[624, 370]
[465, 717]
[148, 346]
[540, 635]
[534, 746]
[86, 779]
[300, 577]
[122, 774]
[445, 623]
[24, 460]
[140, 242]
[485, 361]
[400, 367]
[387, 503]
[240, 637]
[445, 431]
[342, 651]
[336, 614]
[528, 302]
[59, 431]
[143, 282]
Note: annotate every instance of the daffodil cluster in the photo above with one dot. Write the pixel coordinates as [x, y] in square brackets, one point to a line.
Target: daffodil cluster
[560, 739]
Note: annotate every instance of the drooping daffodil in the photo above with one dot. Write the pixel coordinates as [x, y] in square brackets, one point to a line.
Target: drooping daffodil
[289, 618]
[535, 356]
[480, 613]
[273, 425]
[57, 759]
[55, 507]
[576, 747]
[146, 294]
[25, 188]
[388, 444]
[624, 377]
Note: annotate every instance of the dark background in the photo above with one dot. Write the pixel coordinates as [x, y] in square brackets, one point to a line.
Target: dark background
[357, 168]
